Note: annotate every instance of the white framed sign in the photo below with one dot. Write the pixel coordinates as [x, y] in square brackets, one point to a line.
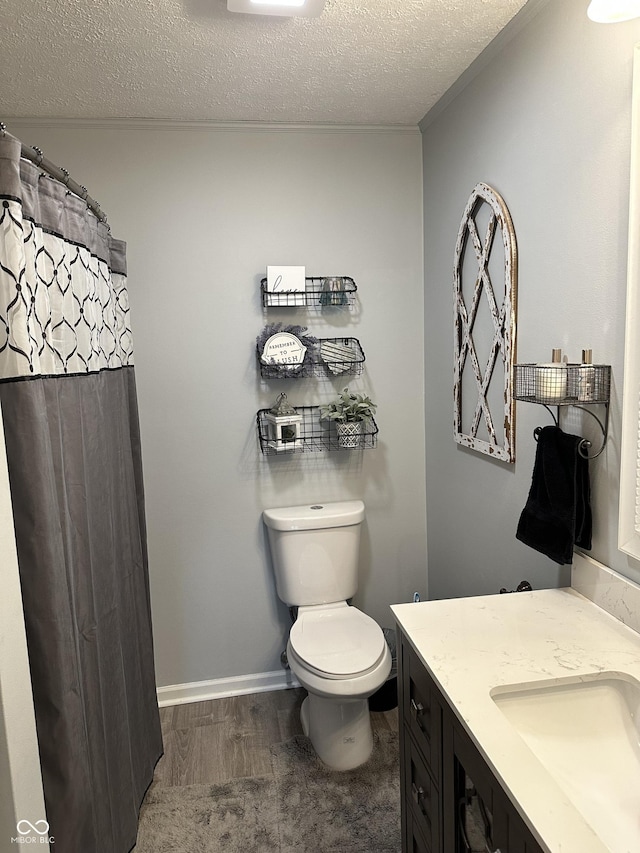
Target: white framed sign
[286, 279]
[283, 348]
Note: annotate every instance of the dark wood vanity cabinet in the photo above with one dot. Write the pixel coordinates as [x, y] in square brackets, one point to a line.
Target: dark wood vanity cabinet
[451, 801]
[420, 755]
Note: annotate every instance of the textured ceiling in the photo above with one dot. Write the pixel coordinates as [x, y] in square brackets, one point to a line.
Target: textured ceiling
[380, 62]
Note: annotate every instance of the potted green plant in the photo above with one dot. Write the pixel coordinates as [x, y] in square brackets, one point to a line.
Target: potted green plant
[352, 414]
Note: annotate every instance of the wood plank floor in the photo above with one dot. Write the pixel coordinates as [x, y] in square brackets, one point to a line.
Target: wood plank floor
[221, 739]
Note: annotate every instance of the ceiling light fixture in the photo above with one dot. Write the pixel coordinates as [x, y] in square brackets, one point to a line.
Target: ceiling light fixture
[613, 11]
[288, 8]
[281, 3]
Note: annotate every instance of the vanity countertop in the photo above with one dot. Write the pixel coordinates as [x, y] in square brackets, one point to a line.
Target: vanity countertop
[473, 645]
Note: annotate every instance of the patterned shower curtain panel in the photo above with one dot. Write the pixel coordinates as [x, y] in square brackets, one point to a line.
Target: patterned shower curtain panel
[69, 408]
[64, 305]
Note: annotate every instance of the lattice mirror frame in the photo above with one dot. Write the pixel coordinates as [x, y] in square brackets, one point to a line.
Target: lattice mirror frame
[473, 380]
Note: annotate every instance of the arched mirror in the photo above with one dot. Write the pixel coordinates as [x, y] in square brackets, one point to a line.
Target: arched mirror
[629, 524]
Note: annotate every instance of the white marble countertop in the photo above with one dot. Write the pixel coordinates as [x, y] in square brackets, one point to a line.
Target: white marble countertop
[472, 645]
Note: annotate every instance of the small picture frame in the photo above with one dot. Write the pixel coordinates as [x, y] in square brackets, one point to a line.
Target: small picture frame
[286, 279]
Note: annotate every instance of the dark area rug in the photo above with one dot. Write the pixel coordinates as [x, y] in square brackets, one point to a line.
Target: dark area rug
[304, 808]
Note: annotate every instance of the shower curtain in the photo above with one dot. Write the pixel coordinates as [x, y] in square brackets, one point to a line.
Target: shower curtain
[67, 391]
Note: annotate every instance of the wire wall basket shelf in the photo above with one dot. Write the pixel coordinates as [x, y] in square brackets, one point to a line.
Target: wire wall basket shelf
[564, 385]
[320, 291]
[579, 385]
[329, 357]
[314, 435]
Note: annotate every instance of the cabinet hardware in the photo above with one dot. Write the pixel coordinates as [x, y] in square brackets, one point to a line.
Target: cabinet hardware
[417, 708]
[463, 804]
[418, 712]
[418, 794]
[462, 811]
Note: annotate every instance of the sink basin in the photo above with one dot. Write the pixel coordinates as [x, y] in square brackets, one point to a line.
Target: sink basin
[586, 733]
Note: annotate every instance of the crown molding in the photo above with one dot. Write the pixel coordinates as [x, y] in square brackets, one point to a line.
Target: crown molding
[201, 126]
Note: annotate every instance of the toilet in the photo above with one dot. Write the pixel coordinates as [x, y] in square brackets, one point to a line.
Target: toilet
[337, 653]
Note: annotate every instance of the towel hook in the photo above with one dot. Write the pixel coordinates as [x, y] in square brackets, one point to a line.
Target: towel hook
[556, 420]
[585, 445]
[604, 429]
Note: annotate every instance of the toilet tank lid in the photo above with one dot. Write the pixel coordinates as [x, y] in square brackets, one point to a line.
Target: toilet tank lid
[314, 516]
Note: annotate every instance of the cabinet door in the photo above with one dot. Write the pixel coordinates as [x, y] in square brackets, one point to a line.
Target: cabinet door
[521, 839]
[421, 710]
[438, 758]
[414, 841]
[507, 831]
[421, 793]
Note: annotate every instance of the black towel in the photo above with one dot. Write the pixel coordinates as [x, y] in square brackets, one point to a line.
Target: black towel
[557, 514]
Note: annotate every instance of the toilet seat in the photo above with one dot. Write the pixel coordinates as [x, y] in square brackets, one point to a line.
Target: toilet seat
[337, 641]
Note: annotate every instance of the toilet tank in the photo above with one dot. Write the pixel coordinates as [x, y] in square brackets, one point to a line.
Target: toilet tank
[315, 551]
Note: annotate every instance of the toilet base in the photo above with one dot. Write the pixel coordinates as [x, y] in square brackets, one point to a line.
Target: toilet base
[340, 732]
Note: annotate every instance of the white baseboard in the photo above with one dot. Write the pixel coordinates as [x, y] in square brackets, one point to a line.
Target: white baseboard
[220, 688]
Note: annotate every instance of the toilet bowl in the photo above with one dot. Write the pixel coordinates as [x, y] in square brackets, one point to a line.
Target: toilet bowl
[337, 653]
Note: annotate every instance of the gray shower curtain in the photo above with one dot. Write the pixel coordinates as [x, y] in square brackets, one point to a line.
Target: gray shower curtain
[67, 391]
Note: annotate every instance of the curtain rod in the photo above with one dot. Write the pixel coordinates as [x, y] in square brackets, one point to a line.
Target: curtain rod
[35, 155]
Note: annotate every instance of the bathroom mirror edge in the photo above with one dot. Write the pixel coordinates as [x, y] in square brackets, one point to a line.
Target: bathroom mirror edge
[629, 519]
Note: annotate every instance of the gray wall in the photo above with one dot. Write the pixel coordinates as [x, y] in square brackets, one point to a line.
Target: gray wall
[547, 124]
[204, 210]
